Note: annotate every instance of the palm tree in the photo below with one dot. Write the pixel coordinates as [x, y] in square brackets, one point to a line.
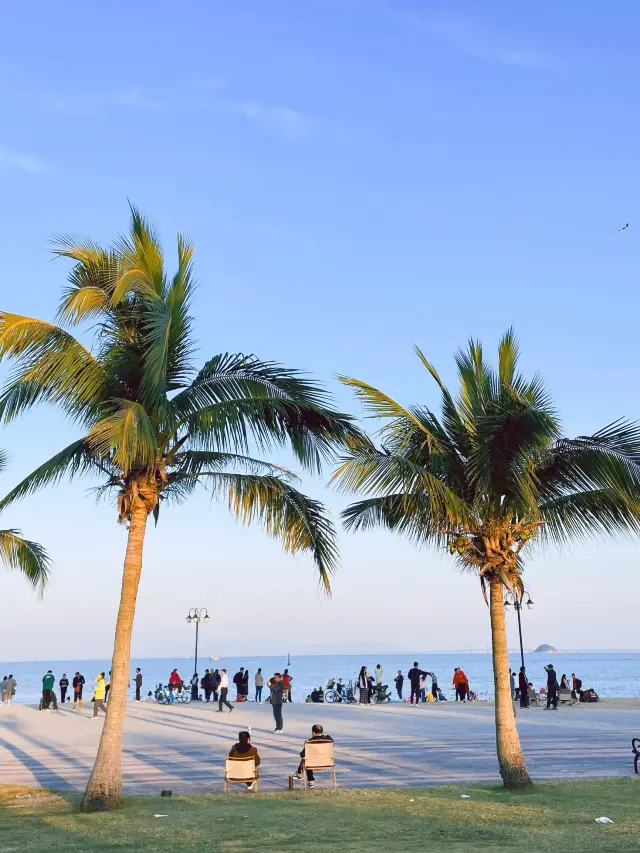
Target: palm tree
[489, 476]
[17, 553]
[152, 428]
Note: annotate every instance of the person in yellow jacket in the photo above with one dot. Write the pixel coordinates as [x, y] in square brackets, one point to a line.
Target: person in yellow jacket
[99, 692]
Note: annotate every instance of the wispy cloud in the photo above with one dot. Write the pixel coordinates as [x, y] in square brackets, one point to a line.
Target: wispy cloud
[99, 103]
[15, 161]
[284, 121]
[473, 39]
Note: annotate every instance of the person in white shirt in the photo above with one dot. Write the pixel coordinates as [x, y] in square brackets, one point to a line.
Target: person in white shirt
[224, 689]
[259, 684]
[378, 675]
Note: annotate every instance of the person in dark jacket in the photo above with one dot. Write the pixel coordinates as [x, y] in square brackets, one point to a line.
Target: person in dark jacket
[524, 687]
[63, 684]
[238, 680]
[414, 675]
[399, 680]
[243, 750]
[138, 683]
[277, 697]
[206, 685]
[216, 678]
[77, 683]
[552, 688]
[317, 736]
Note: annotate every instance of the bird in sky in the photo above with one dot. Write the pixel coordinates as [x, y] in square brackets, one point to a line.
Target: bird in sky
[618, 230]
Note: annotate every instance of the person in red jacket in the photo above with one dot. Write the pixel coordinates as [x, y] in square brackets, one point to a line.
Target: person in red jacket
[175, 682]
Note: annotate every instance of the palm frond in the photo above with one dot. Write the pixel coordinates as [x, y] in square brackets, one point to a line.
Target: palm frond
[195, 463]
[299, 522]
[586, 515]
[402, 513]
[127, 436]
[24, 556]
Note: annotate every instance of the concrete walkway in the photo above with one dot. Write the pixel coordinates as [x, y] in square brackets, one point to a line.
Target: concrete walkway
[182, 747]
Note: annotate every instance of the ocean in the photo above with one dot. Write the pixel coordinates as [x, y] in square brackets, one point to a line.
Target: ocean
[612, 674]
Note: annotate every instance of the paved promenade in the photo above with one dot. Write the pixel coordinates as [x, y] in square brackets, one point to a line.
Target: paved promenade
[182, 746]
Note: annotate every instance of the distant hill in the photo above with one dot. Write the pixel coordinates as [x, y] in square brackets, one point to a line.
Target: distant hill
[546, 649]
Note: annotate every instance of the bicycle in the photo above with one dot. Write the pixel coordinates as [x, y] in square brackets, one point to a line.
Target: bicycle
[347, 696]
[166, 696]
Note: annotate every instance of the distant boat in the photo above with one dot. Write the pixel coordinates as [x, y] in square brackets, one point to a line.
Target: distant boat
[214, 658]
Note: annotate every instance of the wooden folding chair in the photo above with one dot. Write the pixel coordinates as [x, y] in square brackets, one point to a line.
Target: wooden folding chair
[241, 770]
[318, 756]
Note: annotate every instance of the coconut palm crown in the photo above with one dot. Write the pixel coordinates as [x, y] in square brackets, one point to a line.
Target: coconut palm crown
[153, 428]
[487, 478]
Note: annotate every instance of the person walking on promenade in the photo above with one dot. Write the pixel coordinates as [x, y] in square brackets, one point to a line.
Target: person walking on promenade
[552, 688]
[194, 687]
[317, 736]
[524, 687]
[78, 684]
[138, 683]
[99, 695]
[379, 675]
[399, 680]
[244, 750]
[277, 697]
[224, 690]
[259, 680]
[363, 686]
[48, 694]
[175, 682]
[286, 680]
[414, 675]
[9, 688]
[63, 684]
[576, 687]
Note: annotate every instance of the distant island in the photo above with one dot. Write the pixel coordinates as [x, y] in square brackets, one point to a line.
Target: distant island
[546, 649]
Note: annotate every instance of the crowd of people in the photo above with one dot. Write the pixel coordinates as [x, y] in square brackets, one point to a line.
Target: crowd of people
[214, 681]
[524, 690]
[423, 684]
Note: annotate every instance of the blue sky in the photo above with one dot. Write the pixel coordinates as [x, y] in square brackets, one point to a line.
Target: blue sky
[357, 176]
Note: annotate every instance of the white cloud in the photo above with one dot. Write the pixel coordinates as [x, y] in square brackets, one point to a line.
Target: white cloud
[15, 161]
[472, 39]
[286, 122]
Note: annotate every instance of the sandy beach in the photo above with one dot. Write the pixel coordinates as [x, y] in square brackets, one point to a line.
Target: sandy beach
[183, 747]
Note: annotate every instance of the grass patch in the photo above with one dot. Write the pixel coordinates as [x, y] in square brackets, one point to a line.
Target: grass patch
[550, 817]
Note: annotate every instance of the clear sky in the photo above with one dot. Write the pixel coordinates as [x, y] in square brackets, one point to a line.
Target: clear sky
[357, 175]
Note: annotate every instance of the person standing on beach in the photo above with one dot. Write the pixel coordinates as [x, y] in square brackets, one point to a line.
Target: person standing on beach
[423, 687]
[512, 684]
[107, 685]
[215, 683]
[576, 687]
[63, 684]
[259, 680]
[138, 683]
[194, 687]
[224, 690]
[99, 695]
[277, 697]
[524, 687]
[552, 688]
[9, 688]
[461, 684]
[3, 685]
[206, 685]
[414, 675]
[379, 675]
[434, 686]
[399, 680]
[363, 686]
[238, 680]
[48, 694]
[286, 680]
[78, 683]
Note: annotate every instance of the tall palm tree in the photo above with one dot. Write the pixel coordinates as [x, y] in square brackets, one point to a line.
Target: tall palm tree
[485, 480]
[27, 557]
[152, 428]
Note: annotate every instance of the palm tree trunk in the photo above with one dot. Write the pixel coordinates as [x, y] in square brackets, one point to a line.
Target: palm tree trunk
[103, 788]
[510, 759]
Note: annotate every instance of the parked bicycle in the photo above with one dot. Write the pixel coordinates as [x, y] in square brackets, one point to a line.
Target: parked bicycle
[166, 696]
[346, 695]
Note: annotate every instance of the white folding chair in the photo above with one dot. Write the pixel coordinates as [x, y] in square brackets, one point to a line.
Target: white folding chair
[240, 770]
[318, 756]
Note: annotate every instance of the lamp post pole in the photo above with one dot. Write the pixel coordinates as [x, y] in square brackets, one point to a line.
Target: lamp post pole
[197, 615]
[518, 605]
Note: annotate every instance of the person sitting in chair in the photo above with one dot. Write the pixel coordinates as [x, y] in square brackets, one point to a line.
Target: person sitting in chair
[317, 736]
[244, 750]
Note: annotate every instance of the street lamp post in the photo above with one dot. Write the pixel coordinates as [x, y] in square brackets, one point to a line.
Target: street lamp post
[197, 615]
[517, 604]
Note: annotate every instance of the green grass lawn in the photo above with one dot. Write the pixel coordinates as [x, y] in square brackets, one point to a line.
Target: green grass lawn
[553, 816]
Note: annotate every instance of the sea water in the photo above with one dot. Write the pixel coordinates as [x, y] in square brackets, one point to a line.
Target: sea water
[612, 674]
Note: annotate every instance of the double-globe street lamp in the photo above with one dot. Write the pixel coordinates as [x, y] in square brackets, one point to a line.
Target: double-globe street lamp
[517, 602]
[197, 615]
